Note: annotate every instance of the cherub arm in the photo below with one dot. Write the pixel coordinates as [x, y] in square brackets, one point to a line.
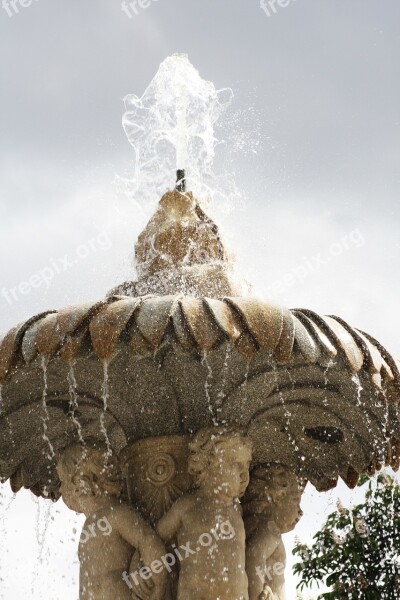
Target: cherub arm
[169, 525]
[134, 529]
[167, 529]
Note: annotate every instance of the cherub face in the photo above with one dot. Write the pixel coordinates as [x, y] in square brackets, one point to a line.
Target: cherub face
[72, 490]
[280, 503]
[229, 471]
[287, 511]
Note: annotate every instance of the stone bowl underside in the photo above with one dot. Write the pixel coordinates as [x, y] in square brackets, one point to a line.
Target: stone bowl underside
[312, 392]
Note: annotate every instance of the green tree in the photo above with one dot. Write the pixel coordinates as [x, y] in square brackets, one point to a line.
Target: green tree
[357, 552]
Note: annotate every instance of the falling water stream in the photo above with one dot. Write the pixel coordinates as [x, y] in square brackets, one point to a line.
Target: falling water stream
[330, 364]
[300, 456]
[285, 410]
[105, 391]
[246, 380]
[5, 504]
[222, 392]
[361, 405]
[43, 511]
[46, 417]
[209, 377]
[43, 517]
[9, 424]
[359, 388]
[72, 388]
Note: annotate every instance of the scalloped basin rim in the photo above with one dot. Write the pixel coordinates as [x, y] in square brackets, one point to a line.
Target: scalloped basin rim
[199, 324]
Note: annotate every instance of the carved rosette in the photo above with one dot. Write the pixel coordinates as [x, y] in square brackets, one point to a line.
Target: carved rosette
[156, 473]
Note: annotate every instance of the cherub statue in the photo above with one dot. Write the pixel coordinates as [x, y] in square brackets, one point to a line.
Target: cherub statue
[205, 528]
[91, 483]
[271, 507]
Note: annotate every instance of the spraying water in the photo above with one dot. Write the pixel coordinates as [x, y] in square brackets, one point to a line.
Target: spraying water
[171, 127]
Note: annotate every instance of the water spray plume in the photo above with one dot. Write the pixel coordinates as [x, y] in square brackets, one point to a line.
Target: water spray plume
[172, 128]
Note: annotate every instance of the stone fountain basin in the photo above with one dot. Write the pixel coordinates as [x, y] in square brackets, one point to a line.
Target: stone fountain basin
[312, 392]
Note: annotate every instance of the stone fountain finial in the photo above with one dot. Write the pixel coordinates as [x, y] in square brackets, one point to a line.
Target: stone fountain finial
[180, 251]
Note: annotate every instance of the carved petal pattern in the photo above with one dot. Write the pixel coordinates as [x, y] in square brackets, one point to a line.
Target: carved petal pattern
[176, 361]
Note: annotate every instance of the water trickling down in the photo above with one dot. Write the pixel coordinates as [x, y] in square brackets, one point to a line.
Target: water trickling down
[330, 364]
[46, 417]
[224, 380]
[364, 408]
[72, 387]
[359, 388]
[43, 517]
[105, 396]
[287, 414]
[209, 377]
[8, 421]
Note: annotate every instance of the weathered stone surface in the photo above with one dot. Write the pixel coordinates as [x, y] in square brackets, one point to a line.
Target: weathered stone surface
[160, 375]
[107, 326]
[188, 489]
[166, 372]
[178, 234]
[181, 251]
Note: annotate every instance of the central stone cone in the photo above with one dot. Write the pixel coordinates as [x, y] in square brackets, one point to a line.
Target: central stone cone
[181, 251]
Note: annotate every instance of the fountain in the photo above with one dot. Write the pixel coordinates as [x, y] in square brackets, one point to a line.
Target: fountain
[154, 409]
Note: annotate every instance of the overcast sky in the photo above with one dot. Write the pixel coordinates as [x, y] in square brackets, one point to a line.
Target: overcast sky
[316, 85]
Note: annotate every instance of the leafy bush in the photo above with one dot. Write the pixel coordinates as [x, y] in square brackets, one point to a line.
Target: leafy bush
[357, 552]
